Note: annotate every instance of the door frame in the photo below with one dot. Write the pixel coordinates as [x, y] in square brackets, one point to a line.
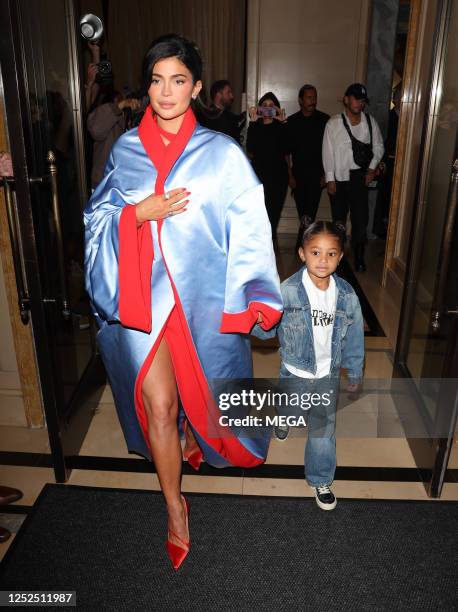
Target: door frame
[67, 424]
[426, 450]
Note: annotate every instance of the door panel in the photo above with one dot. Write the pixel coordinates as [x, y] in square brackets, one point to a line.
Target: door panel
[428, 342]
[44, 122]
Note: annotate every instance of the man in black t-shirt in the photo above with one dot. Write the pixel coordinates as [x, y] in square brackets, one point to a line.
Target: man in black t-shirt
[222, 118]
[305, 140]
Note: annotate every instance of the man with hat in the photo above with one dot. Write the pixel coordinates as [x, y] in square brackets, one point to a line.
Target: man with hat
[352, 150]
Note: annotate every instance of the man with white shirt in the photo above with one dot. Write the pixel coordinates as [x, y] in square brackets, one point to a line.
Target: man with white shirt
[349, 134]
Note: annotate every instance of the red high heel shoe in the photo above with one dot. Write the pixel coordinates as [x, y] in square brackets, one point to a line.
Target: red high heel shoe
[177, 554]
[195, 457]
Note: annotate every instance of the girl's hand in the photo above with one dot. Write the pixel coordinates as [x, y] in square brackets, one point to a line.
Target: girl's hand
[253, 113]
[156, 207]
[259, 318]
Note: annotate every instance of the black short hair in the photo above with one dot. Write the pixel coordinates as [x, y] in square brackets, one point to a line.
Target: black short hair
[172, 45]
[304, 88]
[308, 229]
[218, 86]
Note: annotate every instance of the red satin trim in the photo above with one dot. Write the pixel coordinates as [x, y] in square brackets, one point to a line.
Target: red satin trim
[134, 265]
[242, 322]
[136, 244]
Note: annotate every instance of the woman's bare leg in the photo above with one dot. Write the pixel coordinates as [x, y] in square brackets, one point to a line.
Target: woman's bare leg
[160, 398]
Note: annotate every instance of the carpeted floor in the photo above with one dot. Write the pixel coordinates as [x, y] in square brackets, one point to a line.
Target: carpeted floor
[247, 553]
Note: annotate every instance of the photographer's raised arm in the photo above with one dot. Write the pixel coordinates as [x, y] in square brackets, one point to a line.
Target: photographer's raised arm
[91, 86]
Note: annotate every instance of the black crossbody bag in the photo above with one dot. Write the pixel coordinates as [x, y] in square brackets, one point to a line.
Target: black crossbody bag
[362, 151]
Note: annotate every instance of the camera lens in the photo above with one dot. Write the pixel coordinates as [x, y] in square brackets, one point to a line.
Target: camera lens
[87, 30]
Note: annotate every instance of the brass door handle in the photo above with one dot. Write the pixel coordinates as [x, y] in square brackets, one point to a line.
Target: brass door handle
[51, 159]
[23, 298]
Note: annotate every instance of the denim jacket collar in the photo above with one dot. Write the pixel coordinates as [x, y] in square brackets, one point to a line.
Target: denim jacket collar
[296, 279]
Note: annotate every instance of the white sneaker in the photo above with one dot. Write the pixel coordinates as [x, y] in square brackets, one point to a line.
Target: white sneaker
[325, 498]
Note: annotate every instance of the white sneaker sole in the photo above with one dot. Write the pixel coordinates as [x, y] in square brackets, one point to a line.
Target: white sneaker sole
[325, 506]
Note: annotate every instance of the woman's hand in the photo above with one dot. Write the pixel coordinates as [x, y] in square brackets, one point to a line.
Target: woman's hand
[156, 207]
[253, 113]
[281, 115]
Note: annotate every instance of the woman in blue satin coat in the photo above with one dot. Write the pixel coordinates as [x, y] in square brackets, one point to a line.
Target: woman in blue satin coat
[179, 268]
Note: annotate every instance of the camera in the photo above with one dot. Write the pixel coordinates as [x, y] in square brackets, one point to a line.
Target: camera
[267, 111]
[104, 71]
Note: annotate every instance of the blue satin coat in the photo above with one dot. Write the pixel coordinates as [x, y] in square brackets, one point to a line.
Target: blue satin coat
[219, 254]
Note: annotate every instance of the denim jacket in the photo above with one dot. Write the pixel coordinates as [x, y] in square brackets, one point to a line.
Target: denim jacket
[295, 331]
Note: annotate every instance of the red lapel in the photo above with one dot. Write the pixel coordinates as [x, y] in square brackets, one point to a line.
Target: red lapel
[136, 244]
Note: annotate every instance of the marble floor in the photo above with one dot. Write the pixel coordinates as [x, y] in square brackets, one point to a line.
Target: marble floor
[360, 443]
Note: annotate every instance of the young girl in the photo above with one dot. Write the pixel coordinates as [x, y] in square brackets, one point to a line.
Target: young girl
[321, 331]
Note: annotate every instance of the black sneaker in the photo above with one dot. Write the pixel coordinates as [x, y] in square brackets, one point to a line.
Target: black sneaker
[325, 498]
[281, 431]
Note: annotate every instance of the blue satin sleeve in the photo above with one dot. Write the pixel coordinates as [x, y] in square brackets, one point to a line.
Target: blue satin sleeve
[101, 220]
[251, 268]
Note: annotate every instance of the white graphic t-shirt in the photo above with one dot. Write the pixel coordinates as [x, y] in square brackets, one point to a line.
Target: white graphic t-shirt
[322, 310]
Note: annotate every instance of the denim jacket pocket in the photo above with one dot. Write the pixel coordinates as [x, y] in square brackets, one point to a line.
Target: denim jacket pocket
[346, 322]
[294, 330]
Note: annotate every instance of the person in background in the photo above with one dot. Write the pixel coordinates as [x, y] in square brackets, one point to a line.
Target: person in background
[221, 118]
[351, 137]
[267, 149]
[105, 123]
[305, 141]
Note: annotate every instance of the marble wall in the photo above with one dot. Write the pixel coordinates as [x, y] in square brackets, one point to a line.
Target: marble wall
[380, 59]
[293, 42]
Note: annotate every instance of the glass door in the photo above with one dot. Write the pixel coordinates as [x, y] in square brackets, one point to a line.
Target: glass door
[428, 341]
[45, 126]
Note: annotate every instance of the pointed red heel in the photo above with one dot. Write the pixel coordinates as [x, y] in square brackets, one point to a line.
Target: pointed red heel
[177, 554]
[194, 457]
